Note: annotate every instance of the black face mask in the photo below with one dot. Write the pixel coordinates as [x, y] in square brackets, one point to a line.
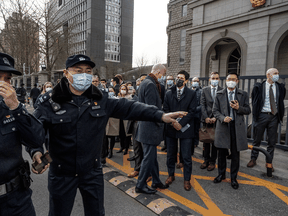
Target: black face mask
[179, 83]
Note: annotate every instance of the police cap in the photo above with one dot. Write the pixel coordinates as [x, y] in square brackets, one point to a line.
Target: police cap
[75, 59]
[7, 64]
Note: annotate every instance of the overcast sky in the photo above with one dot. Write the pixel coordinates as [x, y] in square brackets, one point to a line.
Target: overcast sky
[150, 38]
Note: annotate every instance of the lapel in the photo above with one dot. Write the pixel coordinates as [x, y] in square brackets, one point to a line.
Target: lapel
[238, 95]
[277, 93]
[264, 92]
[224, 105]
[183, 93]
[209, 94]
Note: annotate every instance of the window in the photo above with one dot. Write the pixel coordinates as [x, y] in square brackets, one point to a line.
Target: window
[60, 3]
[184, 10]
[169, 38]
[170, 16]
[168, 61]
[182, 46]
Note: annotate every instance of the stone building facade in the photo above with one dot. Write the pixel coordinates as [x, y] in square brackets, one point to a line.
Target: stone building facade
[230, 35]
[180, 19]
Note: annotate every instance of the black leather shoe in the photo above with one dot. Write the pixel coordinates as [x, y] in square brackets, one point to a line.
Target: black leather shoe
[110, 154]
[160, 186]
[120, 150]
[145, 190]
[131, 159]
[219, 178]
[163, 148]
[125, 152]
[234, 184]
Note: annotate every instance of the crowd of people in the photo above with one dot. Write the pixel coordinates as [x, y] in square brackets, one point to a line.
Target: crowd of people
[82, 117]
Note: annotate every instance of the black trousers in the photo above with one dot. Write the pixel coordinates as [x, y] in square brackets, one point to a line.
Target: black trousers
[271, 123]
[63, 190]
[124, 140]
[210, 153]
[222, 153]
[17, 203]
[137, 147]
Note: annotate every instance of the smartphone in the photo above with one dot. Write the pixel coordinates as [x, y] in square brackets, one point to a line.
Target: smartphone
[45, 160]
[233, 101]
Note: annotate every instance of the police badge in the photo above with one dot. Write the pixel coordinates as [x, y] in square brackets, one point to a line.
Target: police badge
[257, 3]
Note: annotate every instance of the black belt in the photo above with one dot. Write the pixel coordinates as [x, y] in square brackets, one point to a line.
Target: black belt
[268, 113]
[10, 186]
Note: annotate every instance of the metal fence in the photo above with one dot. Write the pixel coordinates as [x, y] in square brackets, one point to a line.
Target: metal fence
[246, 83]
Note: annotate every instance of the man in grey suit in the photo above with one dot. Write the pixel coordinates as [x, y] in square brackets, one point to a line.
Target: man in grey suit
[207, 100]
[150, 134]
[230, 106]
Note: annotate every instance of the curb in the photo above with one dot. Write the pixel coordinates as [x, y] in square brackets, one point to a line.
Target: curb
[156, 203]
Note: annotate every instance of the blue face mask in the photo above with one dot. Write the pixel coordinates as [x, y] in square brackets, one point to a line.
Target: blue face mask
[275, 78]
[214, 82]
[195, 84]
[111, 94]
[162, 80]
[81, 82]
[170, 82]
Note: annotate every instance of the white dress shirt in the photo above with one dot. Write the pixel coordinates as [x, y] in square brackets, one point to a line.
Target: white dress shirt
[267, 106]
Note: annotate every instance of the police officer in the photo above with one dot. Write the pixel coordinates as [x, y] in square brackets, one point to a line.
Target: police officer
[17, 126]
[76, 114]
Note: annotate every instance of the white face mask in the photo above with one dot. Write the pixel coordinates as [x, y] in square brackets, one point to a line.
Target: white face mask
[48, 89]
[231, 84]
[123, 92]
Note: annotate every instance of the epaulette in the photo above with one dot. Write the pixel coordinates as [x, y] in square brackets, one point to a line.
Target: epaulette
[47, 96]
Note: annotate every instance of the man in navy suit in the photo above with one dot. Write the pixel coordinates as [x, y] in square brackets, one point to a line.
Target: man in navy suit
[150, 134]
[179, 97]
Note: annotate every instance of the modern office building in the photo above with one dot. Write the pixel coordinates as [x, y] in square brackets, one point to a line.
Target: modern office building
[103, 30]
[244, 36]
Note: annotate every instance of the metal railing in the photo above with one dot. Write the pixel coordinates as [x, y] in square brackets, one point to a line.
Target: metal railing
[247, 83]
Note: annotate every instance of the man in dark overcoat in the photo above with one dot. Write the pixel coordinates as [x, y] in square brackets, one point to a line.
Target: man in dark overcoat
[150, 134]
[230, 106]
[268, 111]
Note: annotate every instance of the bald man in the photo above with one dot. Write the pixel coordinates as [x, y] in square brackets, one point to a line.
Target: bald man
[149, 133]
[268, 111]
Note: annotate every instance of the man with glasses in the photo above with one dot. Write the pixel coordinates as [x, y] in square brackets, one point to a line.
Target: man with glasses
[76, 116]
[230, 106]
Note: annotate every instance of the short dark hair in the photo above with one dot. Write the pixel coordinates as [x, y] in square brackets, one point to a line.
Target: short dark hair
[213, 72]
[119, 76]
[116, 79]
[143, 75]
[127, 83]
[233, 73]
[103, 80]
[185, 74]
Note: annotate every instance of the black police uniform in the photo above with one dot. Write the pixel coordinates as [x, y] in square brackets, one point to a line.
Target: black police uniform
[17, 126]
[76, 132]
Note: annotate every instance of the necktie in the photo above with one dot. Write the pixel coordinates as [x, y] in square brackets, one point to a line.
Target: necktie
[179, 94]
[272, 101]
[231, 109]
[213, 93]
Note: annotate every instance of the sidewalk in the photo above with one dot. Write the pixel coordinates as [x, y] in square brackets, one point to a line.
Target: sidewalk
[280, 161]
